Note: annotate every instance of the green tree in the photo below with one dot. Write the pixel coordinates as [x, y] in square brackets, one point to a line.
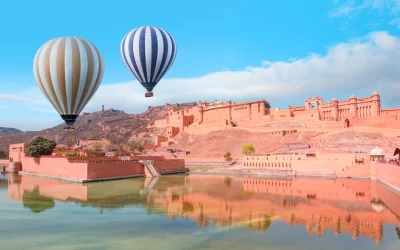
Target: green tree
[3, 154]
[227, 155]
[39, 146]
[248, 149]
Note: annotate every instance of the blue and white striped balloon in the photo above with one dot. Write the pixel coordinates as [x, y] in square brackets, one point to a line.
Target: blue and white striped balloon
[148, 52]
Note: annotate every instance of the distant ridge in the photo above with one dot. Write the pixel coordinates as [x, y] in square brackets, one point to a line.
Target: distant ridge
[7, 131]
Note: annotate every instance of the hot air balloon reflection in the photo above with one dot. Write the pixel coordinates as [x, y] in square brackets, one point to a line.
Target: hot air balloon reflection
[68, 71]
[148, 52]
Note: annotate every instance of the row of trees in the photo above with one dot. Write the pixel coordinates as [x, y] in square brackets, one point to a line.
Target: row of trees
[42, 146]
[247, 149]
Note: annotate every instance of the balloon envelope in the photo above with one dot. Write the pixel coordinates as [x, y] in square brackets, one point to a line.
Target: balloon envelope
[148, 52]
[68, 71]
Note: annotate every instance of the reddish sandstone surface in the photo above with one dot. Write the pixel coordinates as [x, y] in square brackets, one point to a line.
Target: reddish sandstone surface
[216, 144]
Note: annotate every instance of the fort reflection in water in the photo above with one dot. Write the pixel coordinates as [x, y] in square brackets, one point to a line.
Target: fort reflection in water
[344, 206]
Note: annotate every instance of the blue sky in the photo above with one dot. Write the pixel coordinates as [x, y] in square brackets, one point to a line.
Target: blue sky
[279, 50]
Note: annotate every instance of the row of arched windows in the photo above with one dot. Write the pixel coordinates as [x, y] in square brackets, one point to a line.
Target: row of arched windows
[268, 164]
[268, 183]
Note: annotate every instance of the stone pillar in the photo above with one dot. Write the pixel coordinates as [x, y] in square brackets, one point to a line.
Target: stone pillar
[229, 111]
[249, 110]
[183, 120]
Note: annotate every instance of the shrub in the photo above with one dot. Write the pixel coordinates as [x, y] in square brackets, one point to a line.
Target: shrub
[228, 155]
[3, 154]
[134, 145]
[71, 154]
[39, 146]
[248, 149]
[59, 154]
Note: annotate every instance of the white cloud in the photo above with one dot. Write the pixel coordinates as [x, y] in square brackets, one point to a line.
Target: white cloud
[352, 9]
[44, 110]
[368, 63]
[18, 98]
[363, 65]
[3, 107]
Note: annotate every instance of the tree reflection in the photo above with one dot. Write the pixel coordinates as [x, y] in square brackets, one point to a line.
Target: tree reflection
[35, 202]
[398, 232]
[267, 223]
[228, 181]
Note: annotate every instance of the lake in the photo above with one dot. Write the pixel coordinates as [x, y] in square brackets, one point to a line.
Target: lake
[195, 211]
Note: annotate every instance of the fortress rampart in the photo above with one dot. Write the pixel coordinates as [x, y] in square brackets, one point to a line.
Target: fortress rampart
[206, 117]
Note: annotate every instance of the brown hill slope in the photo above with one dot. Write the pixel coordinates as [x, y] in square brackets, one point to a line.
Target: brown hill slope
[113, 125]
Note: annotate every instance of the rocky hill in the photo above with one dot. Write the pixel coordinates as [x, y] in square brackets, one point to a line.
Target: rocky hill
[115, 126]
[7, 131]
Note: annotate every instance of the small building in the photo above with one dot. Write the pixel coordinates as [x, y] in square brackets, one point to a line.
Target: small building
[109, 154]
[377, 154]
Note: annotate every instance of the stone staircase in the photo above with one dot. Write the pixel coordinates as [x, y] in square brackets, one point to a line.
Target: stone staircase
[152, 171]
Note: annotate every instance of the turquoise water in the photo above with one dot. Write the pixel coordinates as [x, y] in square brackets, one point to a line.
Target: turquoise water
[197, 212]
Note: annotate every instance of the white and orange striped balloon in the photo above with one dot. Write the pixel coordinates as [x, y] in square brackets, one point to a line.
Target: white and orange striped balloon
[68, 71]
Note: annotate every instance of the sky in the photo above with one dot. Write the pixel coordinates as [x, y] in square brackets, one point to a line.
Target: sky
[282, 51]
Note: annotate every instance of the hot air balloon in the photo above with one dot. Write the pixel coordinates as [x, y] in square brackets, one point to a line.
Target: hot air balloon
[148, 52]
[68, 71]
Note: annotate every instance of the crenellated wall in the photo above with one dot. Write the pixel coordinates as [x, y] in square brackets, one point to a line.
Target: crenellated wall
[329, 164]
[88, 168]
[109, 169]
[57, 166]
[339, 164]
[207, 117]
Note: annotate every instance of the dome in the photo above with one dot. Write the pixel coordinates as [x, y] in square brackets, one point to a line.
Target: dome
[334, 99]
[352, 97]
[377, 151]
[374, 93]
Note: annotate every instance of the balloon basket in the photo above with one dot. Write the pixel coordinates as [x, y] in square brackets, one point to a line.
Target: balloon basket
[148, 94]
[69, 129]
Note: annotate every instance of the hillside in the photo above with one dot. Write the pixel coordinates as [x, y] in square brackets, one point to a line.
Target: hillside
[115, 126]
[7, 131]
[216, 144]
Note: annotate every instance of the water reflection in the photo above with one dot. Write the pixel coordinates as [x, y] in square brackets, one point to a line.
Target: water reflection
[359, 208]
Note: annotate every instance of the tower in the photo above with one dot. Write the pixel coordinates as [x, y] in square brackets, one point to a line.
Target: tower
[376, 104]
[334, 104]
[353, 105]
